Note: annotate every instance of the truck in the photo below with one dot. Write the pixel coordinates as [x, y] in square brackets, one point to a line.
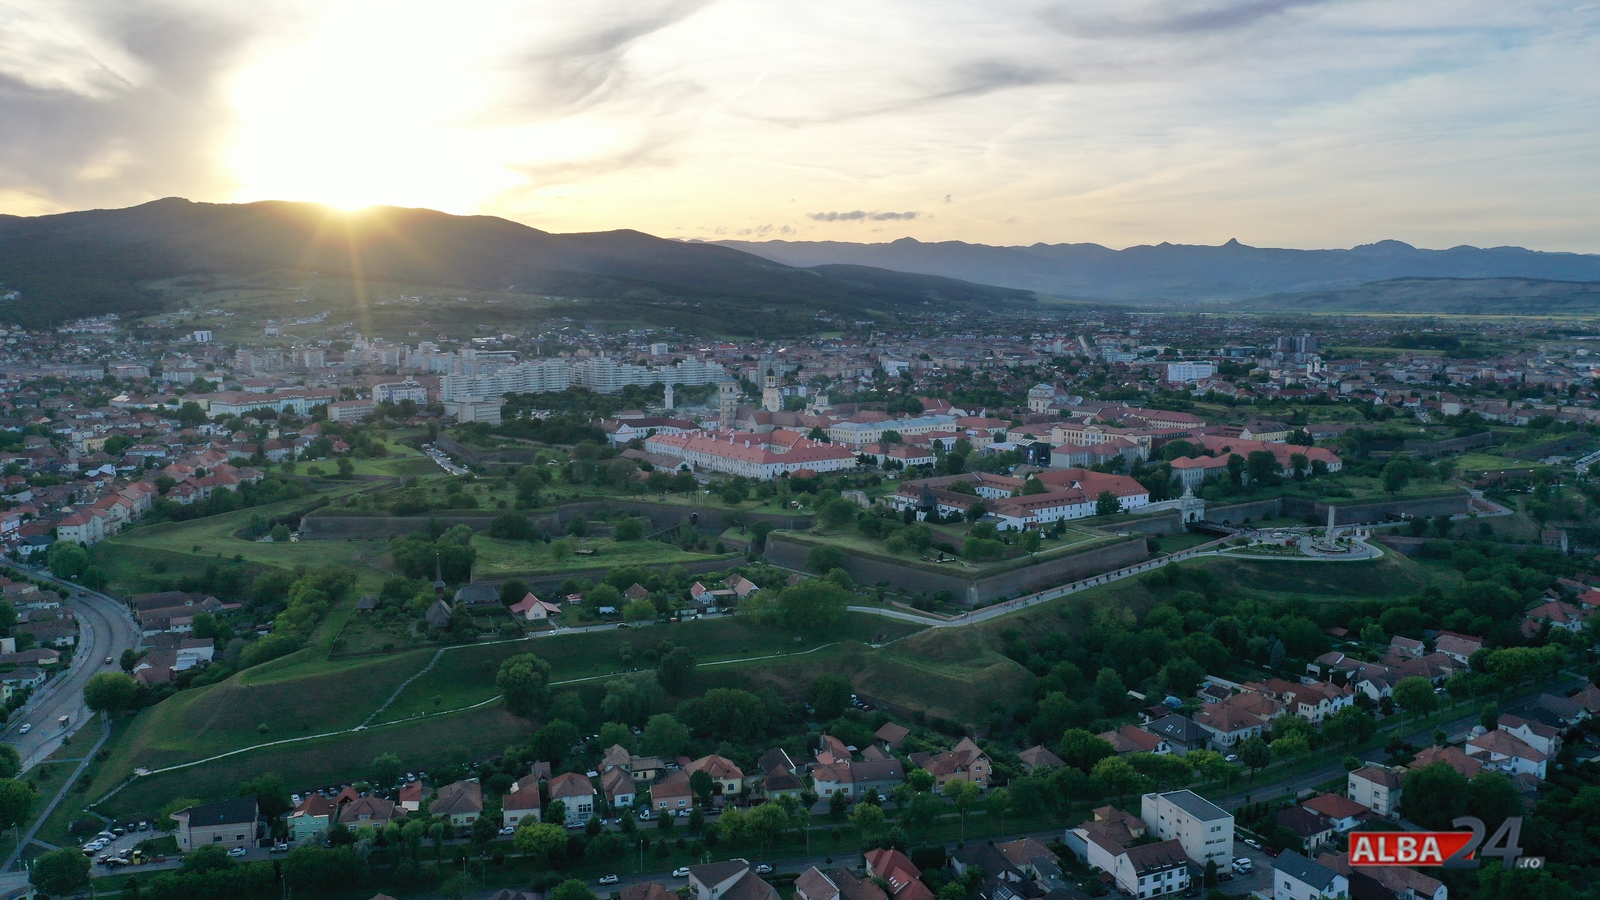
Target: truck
[64, 721]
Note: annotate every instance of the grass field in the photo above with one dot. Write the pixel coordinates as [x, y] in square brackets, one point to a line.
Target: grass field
[1487, 462]
[337, 760]
[466, 676]
[214, 536]
[498, 558]
[1076, 539]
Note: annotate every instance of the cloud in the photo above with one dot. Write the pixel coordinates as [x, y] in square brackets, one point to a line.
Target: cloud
[1168, 17]
[861, 216]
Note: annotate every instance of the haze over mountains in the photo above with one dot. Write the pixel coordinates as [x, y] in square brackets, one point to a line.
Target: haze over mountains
[85, 263]
[1180, 272]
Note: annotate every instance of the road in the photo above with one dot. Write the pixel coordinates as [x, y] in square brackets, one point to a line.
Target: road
[105, 628]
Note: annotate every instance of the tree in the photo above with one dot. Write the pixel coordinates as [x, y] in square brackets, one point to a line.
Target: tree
[1235, 468]
[839, 806]
[112, 692]
[270, 792]
[572, 889]
[67, 559]
[1415, 695]
[316, 868]
[1253, 752]
[812, 604]
[524, 682]
[702, 785]
[60, 872]
[664, 736]
[16, 802]
[1209, 880]
[996, 805]
[829, 695]
[1396, 474]
[1083, 750]
[541, 840]
[1119, 775]
[1107, 504]
[1433, 796]
[513, 591]
[868, 819]
[1291, 746]
[1350, 725]
[1209, 764]
[1263, 467]
[641, 610]
[676, 669]
[923, 809]
[964, 796]
[511, 526]
[280, 533]
[386, 770]
[628, 529]
[822, 558]
[1489, 716]
[130, 658]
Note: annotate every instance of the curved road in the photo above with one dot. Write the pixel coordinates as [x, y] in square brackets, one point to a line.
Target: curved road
[105, 628]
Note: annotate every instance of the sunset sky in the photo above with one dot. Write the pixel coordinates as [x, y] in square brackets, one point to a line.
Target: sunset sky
[1277, 122]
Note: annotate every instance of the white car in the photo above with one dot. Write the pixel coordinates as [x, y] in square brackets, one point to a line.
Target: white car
[681, 872]
[508, 830]
[237, 851]
[609, 879]
[26, 727]
[1243, 866]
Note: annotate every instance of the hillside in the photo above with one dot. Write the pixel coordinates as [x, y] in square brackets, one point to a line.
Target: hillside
[1179, 272]
[85, 263]
[1446, 296]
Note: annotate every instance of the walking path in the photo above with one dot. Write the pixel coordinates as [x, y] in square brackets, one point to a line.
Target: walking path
[105, 733]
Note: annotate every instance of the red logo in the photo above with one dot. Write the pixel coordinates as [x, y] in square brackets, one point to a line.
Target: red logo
[1406, 848]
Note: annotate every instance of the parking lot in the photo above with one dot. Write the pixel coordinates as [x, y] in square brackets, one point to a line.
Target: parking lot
[1260, 879]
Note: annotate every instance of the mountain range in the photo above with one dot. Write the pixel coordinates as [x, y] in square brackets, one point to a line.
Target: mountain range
[1183, 273]
[86, 263]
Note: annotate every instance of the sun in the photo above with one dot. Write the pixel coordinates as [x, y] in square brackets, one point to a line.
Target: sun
[348, 117]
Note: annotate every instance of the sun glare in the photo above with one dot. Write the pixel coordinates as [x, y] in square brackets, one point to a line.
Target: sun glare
[364, 112]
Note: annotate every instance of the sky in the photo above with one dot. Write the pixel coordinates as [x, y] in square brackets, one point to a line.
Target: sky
[1290, 123]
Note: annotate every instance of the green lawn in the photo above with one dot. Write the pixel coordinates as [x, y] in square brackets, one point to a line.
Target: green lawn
[215, 536]
[498, 558]
[466, 676]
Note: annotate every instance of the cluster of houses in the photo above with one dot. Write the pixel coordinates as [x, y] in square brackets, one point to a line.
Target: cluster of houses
[1067, 494]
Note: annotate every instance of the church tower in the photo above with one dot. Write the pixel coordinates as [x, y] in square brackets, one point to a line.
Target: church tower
[771, 397]
[728, 394]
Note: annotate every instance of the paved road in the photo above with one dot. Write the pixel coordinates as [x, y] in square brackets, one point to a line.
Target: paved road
[105, 628]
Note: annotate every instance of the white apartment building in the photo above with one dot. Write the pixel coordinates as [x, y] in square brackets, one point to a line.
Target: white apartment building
[1190, 371]
[1204, 829]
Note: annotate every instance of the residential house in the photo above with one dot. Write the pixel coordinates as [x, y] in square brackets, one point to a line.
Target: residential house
[1313, 830]
[522, 804]
[1295, 877]
[1544, 738]
[532, 609]
[309, 821]
[892, 735]
[1112, 827]
[1399, 881]
[1151, 870]
[230, 823]
[834, 884]
[618, 786]
[1458, 647]
[370, 810]
[1203, 829]
[1342, 812]
[730, 880]
[461, 802]
[1040, 757]
[649, 890]
[411, 796]
[1504, 752]
[1375, 787]
[1180, 734]
[897, 871]
[727, 779]
[646, 769]
[1454, 757]
[672, 792]
[967, 762]
[576, 794]
[1404, 646]
[1228, 724]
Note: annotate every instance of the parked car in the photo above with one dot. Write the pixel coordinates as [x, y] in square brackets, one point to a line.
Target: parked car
[609, 879]
[26, 727]
[280, 847]
[237, 851]
[1243, 866]
[681, 872]
[508, 831]
[763, 869]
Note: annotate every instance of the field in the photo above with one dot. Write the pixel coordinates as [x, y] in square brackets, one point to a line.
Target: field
[305, 694]
[499, 558]
[1077, 538]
